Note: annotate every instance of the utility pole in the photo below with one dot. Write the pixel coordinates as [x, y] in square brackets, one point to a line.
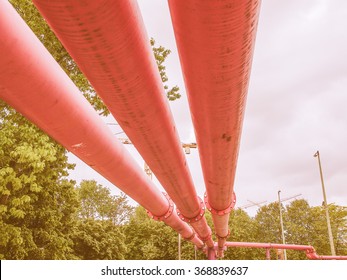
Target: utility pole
[330, 234]
[281, 221]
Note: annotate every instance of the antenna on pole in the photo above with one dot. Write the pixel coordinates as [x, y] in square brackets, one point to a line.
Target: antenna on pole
[252, 204]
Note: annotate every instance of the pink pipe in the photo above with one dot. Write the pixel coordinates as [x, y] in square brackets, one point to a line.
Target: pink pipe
[215, 40]
[33, 83]
[108, 41]
[309, 250]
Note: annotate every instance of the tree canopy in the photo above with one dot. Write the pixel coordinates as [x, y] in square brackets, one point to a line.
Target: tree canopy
[46, 215]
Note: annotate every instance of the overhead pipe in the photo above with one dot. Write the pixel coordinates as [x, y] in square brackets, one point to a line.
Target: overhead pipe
[309, 250]
[33, 83]
[108, 41]
[215, 40]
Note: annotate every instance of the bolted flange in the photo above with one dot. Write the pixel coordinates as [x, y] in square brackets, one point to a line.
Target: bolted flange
[190, 237]
[167, 214]
[197, 217]
[224, 237]
[204, 239]
[220, 212]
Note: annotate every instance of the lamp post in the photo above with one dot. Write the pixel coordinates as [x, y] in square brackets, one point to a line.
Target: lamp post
[281, 221]
[331, 240]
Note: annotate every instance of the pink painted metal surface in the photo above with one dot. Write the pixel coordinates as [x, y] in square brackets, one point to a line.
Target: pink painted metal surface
[108, 41]
[309, 250]
[215, 40]
[32, 82]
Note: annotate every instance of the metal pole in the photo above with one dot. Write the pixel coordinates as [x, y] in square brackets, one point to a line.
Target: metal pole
[211, 253]
[330, 234]
[268, 255]
[179, 247]
[281, 221]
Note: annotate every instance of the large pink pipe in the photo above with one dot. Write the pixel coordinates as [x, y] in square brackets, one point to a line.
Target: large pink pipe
[215, 40]
[309, 250]
[108, 41]
[32, 82]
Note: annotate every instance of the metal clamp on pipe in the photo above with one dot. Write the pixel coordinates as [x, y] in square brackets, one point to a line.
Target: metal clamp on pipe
[167, 214]
[197, 217]
[224, 237]
[221, 212]
[190, 237]
[206, 238]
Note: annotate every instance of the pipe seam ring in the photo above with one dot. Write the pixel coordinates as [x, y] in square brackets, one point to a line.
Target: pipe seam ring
[223, 237]
[206, 238]
[167, 214]
[220, 212]
[197, 217]
[190, 237]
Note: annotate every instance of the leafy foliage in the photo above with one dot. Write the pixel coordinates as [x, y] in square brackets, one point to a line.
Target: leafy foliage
[160, 54]
[148, 239]
[37, 202]
[98, 240]
[43, 215]
[96, 202]
[242, 229]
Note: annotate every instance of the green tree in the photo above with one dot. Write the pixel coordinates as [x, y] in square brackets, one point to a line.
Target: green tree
[268, 228]
[37, 202]
[148, 239]
[96, 202]
[303, 225]
[98, 240]
[338, 221]
[160, 54]
[299, 227]
[242, 229]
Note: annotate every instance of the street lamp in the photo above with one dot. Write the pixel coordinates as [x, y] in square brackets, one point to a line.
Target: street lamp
[332, 247]
[281, 221]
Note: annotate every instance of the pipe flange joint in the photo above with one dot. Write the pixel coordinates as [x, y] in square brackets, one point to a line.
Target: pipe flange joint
[311, 253]
[206, 238]
[224, 237]
[168, 212]
[197, 217]
[191, 237]
[220, 212]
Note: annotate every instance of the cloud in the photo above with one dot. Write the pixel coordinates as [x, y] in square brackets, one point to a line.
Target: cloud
[296, 101]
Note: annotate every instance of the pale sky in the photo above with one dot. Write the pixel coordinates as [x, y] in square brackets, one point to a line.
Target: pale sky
[296, 105]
